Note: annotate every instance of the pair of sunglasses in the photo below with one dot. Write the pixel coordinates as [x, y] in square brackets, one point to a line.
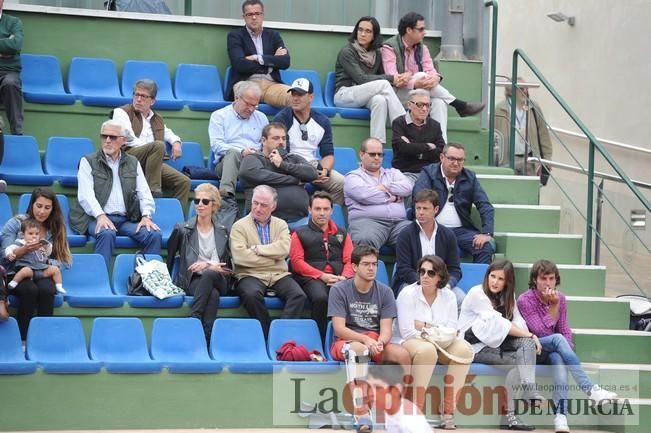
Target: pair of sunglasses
[204, 201]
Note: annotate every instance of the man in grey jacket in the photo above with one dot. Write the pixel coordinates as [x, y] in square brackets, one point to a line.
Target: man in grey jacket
[287, 173]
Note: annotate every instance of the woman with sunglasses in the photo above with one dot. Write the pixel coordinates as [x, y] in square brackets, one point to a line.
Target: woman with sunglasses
[424, 304]
[361, 81]
[490, 321]
[204, 256]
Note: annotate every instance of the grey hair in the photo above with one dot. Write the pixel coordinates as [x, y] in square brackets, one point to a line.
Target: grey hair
[115, 124]
[148, 85]
[266, 189]
[419, 92]
[241, 87]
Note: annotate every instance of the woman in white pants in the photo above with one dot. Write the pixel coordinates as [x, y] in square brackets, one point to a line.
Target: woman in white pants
[360, 79]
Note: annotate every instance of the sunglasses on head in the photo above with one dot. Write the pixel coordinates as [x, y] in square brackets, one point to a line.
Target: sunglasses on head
[430, 272]
[203, 201]
[451, 194]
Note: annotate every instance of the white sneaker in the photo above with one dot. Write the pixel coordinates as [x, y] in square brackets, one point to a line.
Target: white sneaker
[61, 290]
[560, 424]
[3, 185]
[598, 394]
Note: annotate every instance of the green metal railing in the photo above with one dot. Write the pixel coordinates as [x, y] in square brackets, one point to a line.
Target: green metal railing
[491, 87]
[593, 144]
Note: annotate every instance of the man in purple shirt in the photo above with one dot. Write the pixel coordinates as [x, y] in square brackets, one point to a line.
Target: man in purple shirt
[544, 309]
[375, 198]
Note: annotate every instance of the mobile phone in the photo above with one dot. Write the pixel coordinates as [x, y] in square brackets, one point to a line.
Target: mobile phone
[43, 242]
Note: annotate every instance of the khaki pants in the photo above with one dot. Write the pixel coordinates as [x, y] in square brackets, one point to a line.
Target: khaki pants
[424, 357]
[161, 175]
[274, 93]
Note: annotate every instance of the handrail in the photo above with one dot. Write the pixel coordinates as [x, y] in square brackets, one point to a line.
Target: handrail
[491, 98]
[603, 140]
[575, 169]
[594, 144]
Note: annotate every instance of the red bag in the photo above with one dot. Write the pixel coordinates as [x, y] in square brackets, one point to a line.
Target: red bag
[291, 352]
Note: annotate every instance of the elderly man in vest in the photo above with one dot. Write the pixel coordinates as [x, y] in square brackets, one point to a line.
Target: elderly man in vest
[406, 52]
[146, 137]
[113, 197]
[320, 256]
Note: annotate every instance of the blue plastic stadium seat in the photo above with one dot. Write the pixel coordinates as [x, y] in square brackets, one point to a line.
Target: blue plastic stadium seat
[329, 340]
[168, 213]
[345, 160]
[471, 275]
[74, 239]
[382, 274]
[224, 301]
[199, 87]
[120, 344]
[87, 283]
[388, 157]
[122, 269]
[304, 332]
[58, 345]
[318, 104]
[6, 212]
[135, 70]
[180, 345]
[239, 344]
[15, 302]
[273, 303]
[265, 108]
[95, 82]
[42, 80]
[192, 156]
[21, 164]
[62, 155]
[346, 113]
[12, 358]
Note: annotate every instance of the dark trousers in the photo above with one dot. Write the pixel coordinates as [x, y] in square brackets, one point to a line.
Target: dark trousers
[206, 288]
[464, 240]
[35, 296]
[251, 292]
[11, 95]
[317, 292]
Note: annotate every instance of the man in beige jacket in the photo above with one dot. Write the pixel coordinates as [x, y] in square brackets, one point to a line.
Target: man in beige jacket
[259, 246]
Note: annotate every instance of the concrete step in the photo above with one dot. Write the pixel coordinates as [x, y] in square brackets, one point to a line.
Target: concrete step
[598, 313]
[634, 418]
[503, 189]
[529, 247]
[613, 346]
[576, 280]
[523, 218]
[627, 380]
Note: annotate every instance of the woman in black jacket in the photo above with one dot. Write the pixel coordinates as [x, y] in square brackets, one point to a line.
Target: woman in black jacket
[204, 256]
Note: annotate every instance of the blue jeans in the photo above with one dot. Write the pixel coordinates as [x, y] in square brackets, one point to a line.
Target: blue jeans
[105, 239]
[464, 241]
[558, 353]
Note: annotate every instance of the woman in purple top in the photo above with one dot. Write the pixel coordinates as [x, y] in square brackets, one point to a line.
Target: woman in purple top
[544, 308]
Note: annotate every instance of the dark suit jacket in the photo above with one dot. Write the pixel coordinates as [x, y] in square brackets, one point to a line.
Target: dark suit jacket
[240, 45]
[409, 252]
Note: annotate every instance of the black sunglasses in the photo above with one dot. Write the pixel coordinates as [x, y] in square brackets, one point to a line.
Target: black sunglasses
[204, 201]
[430, 272]
[451, 194]
[303, 129]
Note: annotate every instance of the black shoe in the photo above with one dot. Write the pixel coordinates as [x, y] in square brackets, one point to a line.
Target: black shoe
[471, 108]
[510, 421]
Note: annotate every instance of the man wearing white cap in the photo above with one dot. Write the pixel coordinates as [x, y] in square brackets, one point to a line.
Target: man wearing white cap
[309, 132]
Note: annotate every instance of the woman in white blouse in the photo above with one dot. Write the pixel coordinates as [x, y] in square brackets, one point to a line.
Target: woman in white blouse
[490, 321]
[423, 304]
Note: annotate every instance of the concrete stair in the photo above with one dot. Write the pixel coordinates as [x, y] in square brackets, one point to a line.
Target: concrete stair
[529, 247]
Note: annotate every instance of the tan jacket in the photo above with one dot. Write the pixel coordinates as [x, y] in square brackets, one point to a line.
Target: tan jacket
[535, 121]
[268, 262]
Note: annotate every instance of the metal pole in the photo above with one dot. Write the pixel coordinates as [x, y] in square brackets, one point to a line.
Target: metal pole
[514, 89]
[597, 241]
[491, 100]
[588, 216]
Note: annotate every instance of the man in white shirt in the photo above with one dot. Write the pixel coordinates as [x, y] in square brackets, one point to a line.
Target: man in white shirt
[113, 197]
[146, 135]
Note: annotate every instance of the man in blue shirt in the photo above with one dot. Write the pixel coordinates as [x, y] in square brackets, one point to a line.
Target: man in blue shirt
[309, 131]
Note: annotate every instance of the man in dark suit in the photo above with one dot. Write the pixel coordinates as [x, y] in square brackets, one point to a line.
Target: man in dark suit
[258, 55]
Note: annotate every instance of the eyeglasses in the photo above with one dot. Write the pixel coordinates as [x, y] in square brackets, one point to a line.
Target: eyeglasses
[421, 105]
[450, 194]
[368, 264]
[141, 95]
[110, 137]
[453, 159]
[362, 30]
[249, 105]
[419, 29]
[203, 201]
[254, 14]
[303, 129]
[430, 272]
[375, 154]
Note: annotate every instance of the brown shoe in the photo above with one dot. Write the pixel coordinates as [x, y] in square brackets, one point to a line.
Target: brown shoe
[4, 312]
[471, 109]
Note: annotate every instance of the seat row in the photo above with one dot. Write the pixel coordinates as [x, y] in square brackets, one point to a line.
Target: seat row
[95, 82]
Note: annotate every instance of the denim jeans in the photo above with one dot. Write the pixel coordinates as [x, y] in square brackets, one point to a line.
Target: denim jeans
[558, 353]
[464, 241]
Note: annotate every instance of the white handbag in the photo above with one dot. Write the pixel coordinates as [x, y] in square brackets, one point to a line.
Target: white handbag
[156, 278]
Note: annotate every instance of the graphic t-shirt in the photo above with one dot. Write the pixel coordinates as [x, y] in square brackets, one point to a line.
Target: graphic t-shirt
[363, 311]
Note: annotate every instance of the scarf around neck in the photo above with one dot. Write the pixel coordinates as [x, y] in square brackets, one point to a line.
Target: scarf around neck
[367, 57]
